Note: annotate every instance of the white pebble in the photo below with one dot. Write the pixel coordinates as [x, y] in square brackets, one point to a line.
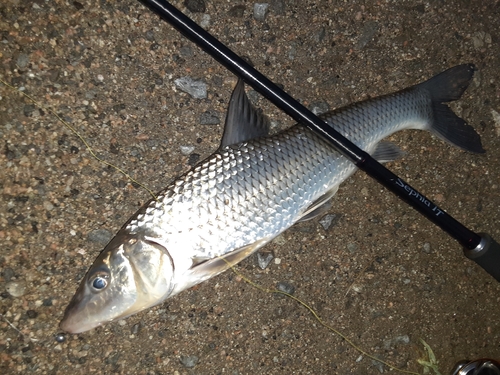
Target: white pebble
[186, 150]
[16, 288]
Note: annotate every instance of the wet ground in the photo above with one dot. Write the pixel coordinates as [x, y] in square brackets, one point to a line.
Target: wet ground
[381, 274]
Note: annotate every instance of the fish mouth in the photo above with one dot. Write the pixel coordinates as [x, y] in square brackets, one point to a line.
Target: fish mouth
[70, 326]
[76, 319]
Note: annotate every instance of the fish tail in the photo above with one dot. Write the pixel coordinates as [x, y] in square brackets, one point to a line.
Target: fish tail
[446, 87]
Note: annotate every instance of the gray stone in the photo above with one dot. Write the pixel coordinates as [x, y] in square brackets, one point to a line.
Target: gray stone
[189, 361]
[260, 11]
[210, 118]
[236, 11]
[186, 51]
[329, 220]
[22, 60]
[100, 236]
[264, 260]
[427, 248]
[8, 274]
[318, 108]
[367, 33]
[196, 88]
[195, 6]
[401, 339]
[286, 287]
[352, 247]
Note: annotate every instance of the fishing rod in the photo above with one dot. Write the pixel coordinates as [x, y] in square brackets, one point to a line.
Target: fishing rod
[479, 247]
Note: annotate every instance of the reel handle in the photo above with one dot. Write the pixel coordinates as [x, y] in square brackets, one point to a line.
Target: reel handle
[487, 255]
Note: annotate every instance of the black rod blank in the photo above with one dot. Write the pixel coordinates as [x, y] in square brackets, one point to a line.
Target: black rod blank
[479, 247]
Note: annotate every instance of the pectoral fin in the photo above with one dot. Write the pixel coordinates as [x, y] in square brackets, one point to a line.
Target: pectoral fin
[202, 270]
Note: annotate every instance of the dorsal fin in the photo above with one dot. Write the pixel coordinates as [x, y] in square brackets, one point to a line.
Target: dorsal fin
[243, 121]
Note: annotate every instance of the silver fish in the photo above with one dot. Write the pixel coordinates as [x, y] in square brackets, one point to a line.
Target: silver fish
[254, 187]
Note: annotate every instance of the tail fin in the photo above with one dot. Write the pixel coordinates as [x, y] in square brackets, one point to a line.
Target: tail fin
[446, 87]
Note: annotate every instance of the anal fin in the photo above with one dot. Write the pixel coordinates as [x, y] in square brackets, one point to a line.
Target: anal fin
[386, 151]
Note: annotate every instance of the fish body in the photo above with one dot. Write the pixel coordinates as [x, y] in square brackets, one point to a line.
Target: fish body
[254, 187]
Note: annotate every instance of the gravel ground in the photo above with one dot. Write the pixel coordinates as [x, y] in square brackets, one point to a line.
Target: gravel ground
[381, 274]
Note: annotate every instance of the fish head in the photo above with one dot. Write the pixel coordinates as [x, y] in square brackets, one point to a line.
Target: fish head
[131, 274]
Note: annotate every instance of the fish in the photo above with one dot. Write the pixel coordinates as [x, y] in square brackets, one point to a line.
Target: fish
[251, 189]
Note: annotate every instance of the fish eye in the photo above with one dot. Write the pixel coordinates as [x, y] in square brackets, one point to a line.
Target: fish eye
[100, 282]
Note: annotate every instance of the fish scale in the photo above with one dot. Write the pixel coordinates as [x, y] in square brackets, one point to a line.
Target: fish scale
[300, 167]
[248, 192]
[278, 190]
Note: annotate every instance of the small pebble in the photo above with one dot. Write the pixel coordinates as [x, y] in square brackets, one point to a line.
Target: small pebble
[195, 6]
[91, 94]
[22, 60]
[319, 108]
[28, 110]
[352, 247]
[186, 150]
[263, 261]
[205, 21]
[402, 339]
[236, 11]
[279, 240]
[496, 121]
[135, 328]
[210, 118]
[194, 158]
[427, 248]
[48, 206]
[100, 236]
[378, 365]
[329, 220]
[32, 314]
[285, 287]
[260, 11]
[189, 361]
[81, 354]
[368, 31]
[150, 35]
[196, 88]
[186, 51]
[16, 288]
[8, 274]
